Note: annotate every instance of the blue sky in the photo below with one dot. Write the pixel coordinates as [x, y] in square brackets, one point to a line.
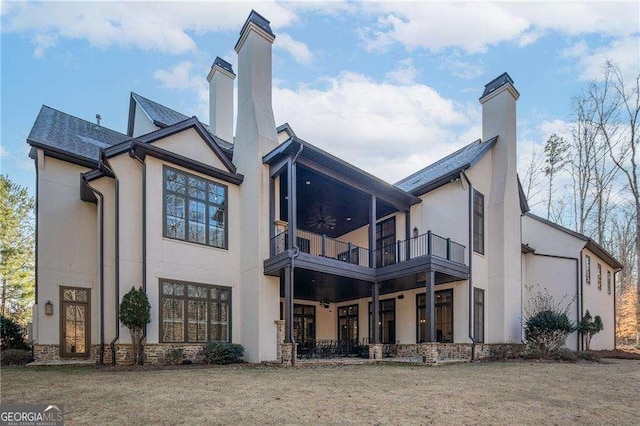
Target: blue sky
[390, 87]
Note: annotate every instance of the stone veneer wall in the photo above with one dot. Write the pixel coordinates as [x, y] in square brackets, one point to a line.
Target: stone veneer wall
[434, 353]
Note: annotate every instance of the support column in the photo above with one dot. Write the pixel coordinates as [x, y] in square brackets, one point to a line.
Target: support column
[372, 232]
[407, 234]
[430, 311]
[375, 312]
[288, 304]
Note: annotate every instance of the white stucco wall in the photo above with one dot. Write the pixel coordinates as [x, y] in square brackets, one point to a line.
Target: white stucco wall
[142, 124]
[599, 302]
[188, 143]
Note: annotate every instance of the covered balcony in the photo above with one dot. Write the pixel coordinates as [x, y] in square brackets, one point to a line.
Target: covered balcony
[341, 234]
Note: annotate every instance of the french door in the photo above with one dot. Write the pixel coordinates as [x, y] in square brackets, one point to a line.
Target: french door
[75, 320]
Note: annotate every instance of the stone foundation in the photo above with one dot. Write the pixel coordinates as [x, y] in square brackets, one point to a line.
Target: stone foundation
[52, 353]
[375, 351]
[434, 353]
[288, 352]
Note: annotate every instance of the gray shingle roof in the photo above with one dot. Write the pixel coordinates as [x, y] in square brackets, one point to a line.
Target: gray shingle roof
[63, 132]
[164, 117]
[223, 64]
[260, 21]
[497, 83]
[428, 178]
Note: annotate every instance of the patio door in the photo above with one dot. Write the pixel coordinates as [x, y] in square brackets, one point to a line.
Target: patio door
[348, 323]
[75, 304]
[304, 323]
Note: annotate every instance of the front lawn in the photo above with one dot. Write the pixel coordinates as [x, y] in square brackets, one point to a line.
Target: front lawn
[488, 393]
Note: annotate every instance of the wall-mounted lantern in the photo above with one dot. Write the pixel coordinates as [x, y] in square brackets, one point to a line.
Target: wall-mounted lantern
[415, 232]
[48, 308]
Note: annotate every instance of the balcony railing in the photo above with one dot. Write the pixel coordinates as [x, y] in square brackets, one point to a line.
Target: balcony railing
[401, 251]
[321, 245]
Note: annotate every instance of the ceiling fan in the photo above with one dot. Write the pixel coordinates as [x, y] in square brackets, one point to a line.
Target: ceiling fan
[318, 219]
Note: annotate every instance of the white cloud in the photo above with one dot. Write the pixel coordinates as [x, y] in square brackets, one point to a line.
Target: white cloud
[297, 49]
[159, 26]
[462, 69]
[182, 77]
[404, 73]
[390, 130]
[4, 153]
[624, 52]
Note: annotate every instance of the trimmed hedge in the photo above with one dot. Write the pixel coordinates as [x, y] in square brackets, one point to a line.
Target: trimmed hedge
[222, 353]
[12, 336]
[15, 357]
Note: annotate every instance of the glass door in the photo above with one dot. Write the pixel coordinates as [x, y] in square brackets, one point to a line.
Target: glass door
[74, 322]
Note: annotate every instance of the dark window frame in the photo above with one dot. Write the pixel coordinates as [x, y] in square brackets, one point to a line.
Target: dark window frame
[478, 320]
[380, 312]
[423, 305]
[303, 315]
[390, 239]
[599, 276]
[187, 198]
[478, 222]
[347, 316]
[186, 298]
[608, 282]
[87, 337]
[588, 269]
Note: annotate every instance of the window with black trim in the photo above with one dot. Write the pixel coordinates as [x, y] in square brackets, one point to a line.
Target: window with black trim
[478, 315]
[194, 313]
[348, 323]
[443, 313]
[587, 267]
[304, 323]
[478, 222]
[599, 276]
[386, 321]
[386, 242]
[608, 282]
[195, 209]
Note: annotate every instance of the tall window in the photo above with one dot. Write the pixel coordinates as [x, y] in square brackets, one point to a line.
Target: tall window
[348, 323]
[194, 313]
[599, 276]
[478, 222]
[304, 323]
[443, 315]
[386, 242]
[587, 266]
[195, 209]
[386, 322]
[478, 314]
[608, 282]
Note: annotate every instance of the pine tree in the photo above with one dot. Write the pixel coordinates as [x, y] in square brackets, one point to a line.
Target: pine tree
[17, 241]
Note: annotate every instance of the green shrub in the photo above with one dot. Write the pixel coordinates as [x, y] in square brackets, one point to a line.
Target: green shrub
[222, 353]
[564, 354]
[547, 331]
[135, 314]
[589, 356]
[15, 357]
[12, 336]
[174, 356]
[589, 327]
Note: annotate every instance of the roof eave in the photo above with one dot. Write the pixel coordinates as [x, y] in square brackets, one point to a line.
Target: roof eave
[64, 155]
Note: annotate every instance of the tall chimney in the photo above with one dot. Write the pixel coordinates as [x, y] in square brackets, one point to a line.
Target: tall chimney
[502, 210]
[255, 137]
[220, 80]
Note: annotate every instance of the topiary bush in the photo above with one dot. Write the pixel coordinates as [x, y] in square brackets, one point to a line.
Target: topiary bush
[12, 336]
[135, 314]
[15, 357]
[589, 327]
[222, 353]
[547, 331]
[174, 356]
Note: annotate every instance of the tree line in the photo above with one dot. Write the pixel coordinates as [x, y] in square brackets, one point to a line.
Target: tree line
[587, 179]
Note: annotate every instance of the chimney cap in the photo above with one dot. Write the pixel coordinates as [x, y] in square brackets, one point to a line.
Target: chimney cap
[222, 66]
[502, 80]
[259, 20]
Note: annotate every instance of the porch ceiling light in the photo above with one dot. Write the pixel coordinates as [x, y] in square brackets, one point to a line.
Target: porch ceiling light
[308, 182]
[348, 219]
[48, 308]
[415, 232]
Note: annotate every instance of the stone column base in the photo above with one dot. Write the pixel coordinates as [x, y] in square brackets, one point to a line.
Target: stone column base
[288, 351]
[375, 351]
[429, 353]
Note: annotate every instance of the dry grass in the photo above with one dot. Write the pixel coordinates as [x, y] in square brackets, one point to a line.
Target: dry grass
[486, 393]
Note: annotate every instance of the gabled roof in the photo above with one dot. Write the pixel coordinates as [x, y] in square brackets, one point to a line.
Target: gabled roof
[286, 128]
[524, 204]
[591, 244]
[71, 138]
[163, 116]
[443, 171]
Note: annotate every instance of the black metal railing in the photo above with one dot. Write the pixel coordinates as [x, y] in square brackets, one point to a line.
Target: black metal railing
[321, 245]
[401, 251]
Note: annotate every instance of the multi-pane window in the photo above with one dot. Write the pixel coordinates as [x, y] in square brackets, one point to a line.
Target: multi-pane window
[386, 242]
[195, 209]
[478, 222]
[608, 282]
[599, 276]
[348, 323]
[443, 314]
[587, 266]
[478, 315]
[386, 321]
[304, 323]
[194, 313]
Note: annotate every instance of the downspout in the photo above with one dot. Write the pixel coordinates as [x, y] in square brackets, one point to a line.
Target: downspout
[133, 155]
[112, 345]
[296, 249]
[101, 256]
[578, 292]
[470, 209]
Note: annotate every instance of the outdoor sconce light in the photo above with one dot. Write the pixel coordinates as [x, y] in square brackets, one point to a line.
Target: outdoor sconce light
[48, 308]
[415, 232]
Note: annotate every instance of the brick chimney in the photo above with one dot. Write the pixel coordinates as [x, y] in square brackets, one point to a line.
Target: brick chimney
[220, 80]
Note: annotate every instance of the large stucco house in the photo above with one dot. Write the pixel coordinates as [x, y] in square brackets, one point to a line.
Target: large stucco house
[261, 238]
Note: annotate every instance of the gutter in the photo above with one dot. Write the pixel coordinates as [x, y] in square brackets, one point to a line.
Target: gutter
[470, 209]
[101, 256]
[133, 155]
[578, 289]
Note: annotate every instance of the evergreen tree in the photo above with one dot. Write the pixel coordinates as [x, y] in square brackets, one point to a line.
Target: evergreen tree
[17, 241]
